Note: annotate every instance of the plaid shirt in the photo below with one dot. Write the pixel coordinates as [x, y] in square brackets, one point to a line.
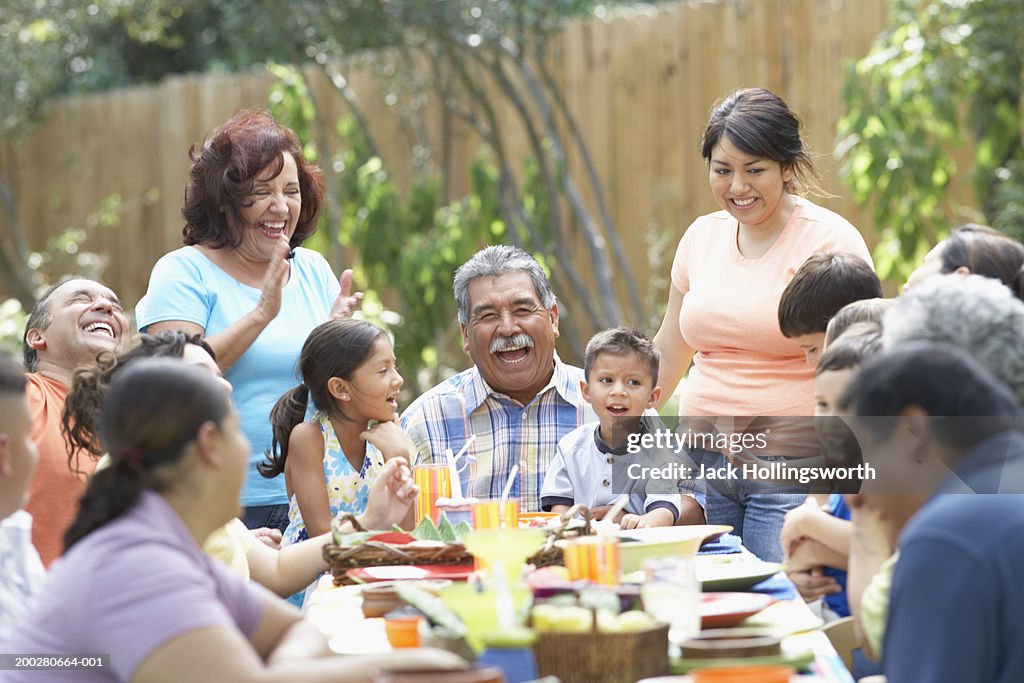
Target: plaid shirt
[507, 432]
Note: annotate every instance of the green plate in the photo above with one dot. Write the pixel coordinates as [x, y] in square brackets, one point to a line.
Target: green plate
[735, 576]
[798, 660]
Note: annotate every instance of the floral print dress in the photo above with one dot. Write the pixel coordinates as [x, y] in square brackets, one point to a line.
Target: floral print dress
[347, 489]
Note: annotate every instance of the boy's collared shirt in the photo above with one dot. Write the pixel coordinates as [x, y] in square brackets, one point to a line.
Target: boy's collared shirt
[582, 473]
[507, 433]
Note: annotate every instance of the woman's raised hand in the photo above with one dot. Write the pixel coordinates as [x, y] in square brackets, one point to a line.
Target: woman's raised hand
[346, 303]
[391, 495]
[273, 282]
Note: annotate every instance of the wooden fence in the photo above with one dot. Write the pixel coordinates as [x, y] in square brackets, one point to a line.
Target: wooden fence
[641, 83]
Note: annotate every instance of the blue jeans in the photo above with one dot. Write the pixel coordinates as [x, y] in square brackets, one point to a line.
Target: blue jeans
[754, 509]
[270, 516]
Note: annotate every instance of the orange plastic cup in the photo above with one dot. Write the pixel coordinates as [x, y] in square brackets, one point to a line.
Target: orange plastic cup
[403, 631]
[593, 558]
[489, 514]
[434, 482]
[764, 673]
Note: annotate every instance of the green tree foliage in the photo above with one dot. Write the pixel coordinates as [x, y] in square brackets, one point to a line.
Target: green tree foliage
[944, 73]
[406, 247]
[410, 242]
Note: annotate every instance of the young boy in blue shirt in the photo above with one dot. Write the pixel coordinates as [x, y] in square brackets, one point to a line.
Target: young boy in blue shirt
[621, 372]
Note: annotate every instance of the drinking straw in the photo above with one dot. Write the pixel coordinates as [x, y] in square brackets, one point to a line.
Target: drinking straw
[453, 475]
[503, 605]
[505, 493]
[465, 447]
[508, 485]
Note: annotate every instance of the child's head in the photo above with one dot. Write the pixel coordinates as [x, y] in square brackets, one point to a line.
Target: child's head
[348, 368]
[840, 361]
[820, 288]
[863, 311]
[621, 371]
[835, 371]
[18, 455]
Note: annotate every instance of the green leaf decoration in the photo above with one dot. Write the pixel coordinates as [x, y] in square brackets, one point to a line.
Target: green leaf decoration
[426, 530]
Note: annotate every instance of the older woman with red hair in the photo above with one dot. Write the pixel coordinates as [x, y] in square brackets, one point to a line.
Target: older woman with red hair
[243, 280]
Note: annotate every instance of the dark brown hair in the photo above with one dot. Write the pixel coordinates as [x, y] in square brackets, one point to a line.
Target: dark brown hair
[620, 341]
[983, 251]
[820, 288]
[90, 383]
[335, 348]
[760, 124]
[149, 416]
[223, 172]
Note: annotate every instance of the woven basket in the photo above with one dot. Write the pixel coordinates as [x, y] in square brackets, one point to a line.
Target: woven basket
[341, 559]
[598, 657]
[551, 553]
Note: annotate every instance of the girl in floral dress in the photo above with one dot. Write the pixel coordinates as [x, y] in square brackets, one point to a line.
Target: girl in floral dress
[331, 461]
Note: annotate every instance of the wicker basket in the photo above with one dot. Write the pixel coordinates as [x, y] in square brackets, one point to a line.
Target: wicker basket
[341, 559]
[598, 657]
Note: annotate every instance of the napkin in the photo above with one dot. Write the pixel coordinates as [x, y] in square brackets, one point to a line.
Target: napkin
[779, 587]
[723, 545]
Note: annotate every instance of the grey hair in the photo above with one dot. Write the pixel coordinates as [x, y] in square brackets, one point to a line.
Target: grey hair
[977, 314]
[40, 318]
[495, 261]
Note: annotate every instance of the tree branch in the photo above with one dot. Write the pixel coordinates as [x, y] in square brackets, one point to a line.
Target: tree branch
[14, 253]
[508, 194]
[596, 186]
[340, 83]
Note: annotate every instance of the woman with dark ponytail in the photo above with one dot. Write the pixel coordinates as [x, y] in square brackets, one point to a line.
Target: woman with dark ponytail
[146, 434]
[163, 610]
[283, 572]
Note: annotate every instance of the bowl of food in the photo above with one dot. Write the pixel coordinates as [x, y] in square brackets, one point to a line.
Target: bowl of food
[637, 545]
[729, 643]
[380, 598]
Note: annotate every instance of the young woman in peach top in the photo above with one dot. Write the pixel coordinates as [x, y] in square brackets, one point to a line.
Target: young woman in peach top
[727, 277]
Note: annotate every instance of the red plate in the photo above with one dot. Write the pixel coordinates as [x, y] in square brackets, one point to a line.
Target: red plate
[723, 610]
[401, 572]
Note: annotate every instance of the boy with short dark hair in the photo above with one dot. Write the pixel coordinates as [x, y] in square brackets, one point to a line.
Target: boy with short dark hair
[621, 374]
[20, 566]
[816, 535]
[824, 284]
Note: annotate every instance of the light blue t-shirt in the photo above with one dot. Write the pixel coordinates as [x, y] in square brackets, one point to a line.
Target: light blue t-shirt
[186, 285]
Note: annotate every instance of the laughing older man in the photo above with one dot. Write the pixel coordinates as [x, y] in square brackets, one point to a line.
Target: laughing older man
[70, 325]
[518, 399]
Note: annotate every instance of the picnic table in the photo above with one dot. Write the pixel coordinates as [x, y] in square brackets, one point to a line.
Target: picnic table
[336, 611]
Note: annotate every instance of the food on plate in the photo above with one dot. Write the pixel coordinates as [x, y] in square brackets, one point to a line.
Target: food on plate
[552, 618]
